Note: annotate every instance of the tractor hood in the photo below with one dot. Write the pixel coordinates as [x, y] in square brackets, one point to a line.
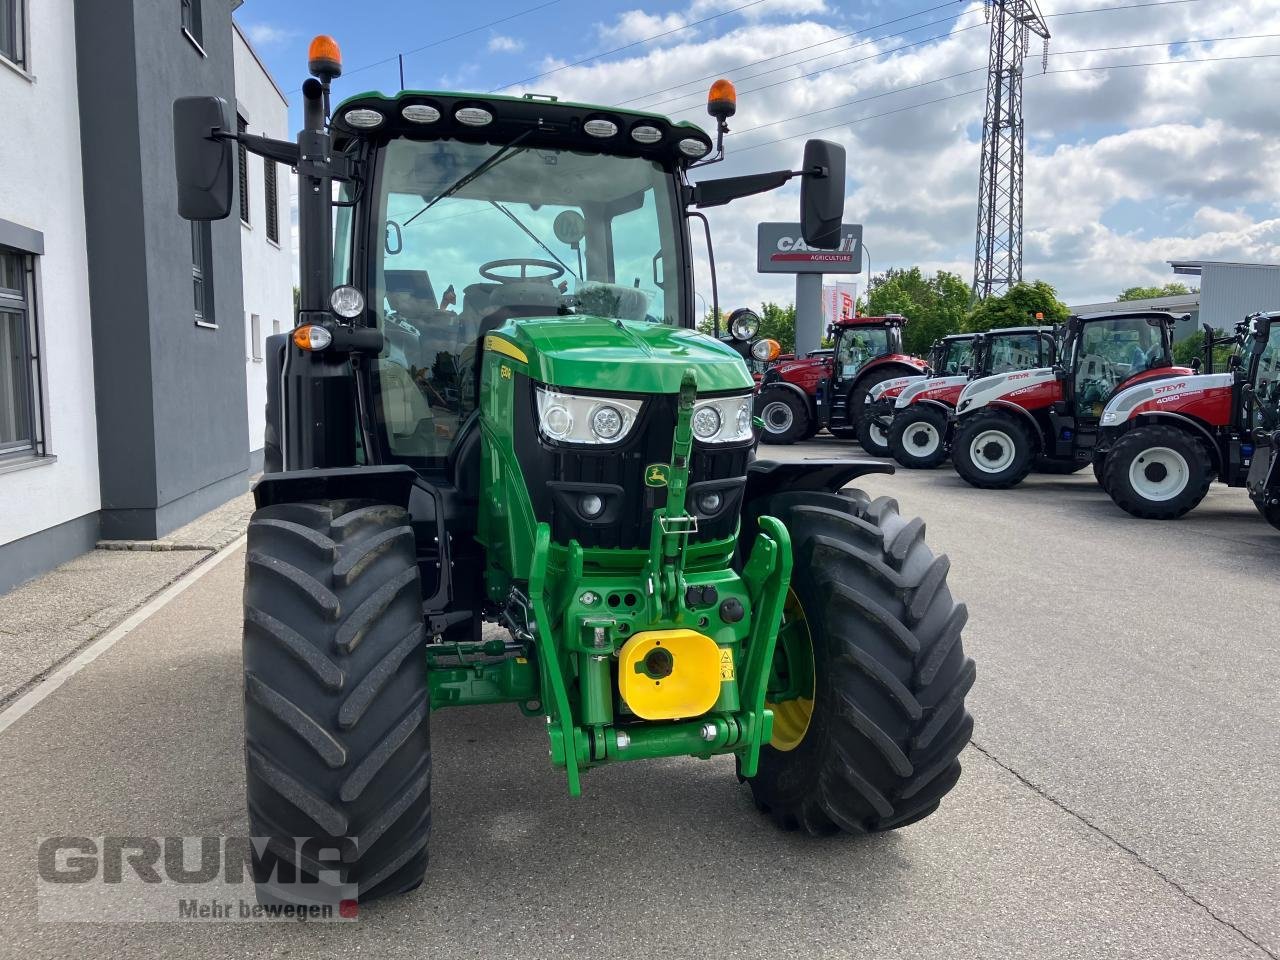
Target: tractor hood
[622, 356]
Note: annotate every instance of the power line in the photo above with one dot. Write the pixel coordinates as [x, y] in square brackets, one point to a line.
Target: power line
[628, 46]
[963, 73]
[449, 39]
[884, 53]
[834, 66]
[787, 53]
[966, 93]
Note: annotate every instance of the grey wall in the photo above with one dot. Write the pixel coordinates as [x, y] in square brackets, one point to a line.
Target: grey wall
[172, 433]
[1230, 292]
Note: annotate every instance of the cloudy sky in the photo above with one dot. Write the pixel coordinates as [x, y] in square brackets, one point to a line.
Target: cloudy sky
[1127, 167]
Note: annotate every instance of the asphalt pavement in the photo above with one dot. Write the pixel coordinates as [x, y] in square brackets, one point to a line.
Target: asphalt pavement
[1119, 798]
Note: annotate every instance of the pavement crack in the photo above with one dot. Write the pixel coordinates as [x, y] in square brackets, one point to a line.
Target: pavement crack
[1138, 857]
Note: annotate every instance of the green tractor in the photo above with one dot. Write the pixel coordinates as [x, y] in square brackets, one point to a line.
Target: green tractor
[495, 409]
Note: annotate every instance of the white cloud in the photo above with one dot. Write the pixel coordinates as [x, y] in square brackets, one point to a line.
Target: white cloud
[637, 25]
[500, 44]
[1126, 168]
[267, 34]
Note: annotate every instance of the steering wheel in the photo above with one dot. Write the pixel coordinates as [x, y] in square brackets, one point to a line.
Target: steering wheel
[489, 270]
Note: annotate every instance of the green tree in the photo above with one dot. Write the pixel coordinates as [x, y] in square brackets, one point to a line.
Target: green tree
[1018, 307]
[1174, 289]
[934, 306]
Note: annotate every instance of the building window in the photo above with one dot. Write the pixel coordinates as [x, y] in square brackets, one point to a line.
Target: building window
[20, 426]
[273, 201]
[190, 19]
[242, 125]
[201, 274]
[13, 32]
[275, 327]
[255, 336]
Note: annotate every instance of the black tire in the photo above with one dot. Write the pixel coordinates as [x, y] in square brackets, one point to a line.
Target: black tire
[786, 416]
[1099, 471]
[1006, 456]
[811, 430]
[918, 437]
[882, 745]
[336, 697]
[858, 395]
[1271, 514]
[873, 438]
[1158, 472]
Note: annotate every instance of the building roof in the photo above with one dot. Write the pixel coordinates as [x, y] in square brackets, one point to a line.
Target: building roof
[1193, 268]
[1176, 304]
[254, 53]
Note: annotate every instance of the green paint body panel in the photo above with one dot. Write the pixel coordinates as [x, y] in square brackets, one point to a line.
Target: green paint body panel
[587, 353]
[571, 673]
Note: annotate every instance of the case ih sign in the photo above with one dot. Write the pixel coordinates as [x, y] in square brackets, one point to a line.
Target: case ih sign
[780, 249]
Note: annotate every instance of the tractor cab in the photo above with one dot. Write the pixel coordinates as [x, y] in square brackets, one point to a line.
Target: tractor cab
[1106, 351]
[952, 356]
[1014, 348]
[1261, 369]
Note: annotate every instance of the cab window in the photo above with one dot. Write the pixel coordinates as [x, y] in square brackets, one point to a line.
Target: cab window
[859, 346]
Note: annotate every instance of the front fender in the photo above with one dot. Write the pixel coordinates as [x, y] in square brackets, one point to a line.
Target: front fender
[767, 477]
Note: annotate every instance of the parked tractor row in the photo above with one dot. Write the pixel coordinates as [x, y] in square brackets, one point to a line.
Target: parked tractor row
[1102, 391]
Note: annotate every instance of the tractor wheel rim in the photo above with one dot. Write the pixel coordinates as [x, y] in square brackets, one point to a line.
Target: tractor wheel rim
[923, 439]
[877, 434]
[792, 678]
[778, 417]
[1159, 474]
[992, 451]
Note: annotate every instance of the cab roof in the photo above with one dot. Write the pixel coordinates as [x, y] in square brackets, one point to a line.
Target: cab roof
[542, 120]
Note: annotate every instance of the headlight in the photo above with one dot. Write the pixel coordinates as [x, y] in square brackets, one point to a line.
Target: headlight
[726, 420]
[570, 418]
[766, 350]
[743, 324]
[1109, 418]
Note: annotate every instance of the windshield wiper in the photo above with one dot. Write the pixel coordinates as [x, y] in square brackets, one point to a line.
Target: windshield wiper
[534, 237]
[504, 152]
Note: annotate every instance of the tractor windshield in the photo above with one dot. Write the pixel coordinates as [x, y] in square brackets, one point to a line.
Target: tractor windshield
[857, 345]
[1016, 351]
[956, 355]
[470, 235]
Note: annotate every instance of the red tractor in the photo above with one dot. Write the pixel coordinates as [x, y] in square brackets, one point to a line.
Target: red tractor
[1007, 422]
[1163, 443]
[950, 356]
[799, 397]
[919, 436]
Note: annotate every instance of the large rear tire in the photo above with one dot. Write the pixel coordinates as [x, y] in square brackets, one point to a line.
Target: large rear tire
[1158, 472]
[870, 676]
[336, 697]
[872, 437]
[918, 437]
[993, 450]
[786, 416]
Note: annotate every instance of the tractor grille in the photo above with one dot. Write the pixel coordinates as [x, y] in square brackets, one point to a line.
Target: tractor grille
[559, 475]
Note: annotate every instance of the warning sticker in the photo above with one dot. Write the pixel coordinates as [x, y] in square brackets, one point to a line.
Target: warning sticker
[726, 664]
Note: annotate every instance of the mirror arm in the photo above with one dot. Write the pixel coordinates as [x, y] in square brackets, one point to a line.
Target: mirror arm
[703, 195]
[281, 151]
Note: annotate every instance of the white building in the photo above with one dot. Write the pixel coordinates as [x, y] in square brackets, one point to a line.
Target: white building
[265, 232]
[49, 491]
[122, 327]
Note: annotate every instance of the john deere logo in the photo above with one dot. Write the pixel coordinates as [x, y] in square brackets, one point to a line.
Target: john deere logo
[656, 474]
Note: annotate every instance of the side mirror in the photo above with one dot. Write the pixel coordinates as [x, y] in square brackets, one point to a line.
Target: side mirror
[1196, 364]
[822, 194]
[202, 162]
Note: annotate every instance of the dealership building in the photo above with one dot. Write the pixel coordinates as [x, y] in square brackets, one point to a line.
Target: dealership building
[1228, 292]
[131, 341]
